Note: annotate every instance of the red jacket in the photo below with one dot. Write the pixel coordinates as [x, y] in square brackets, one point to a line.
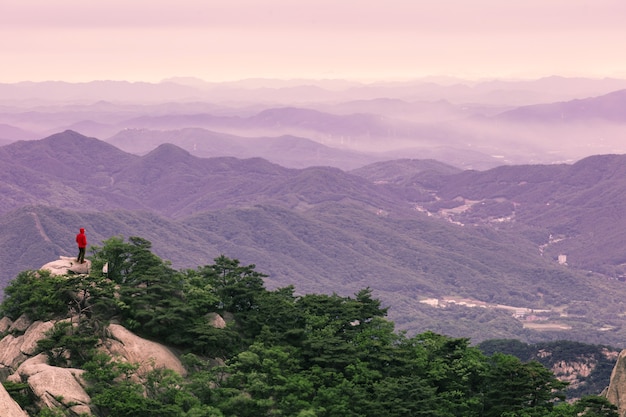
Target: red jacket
[81, 239]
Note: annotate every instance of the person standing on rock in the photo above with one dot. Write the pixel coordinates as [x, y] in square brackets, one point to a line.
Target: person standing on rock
[81, 240]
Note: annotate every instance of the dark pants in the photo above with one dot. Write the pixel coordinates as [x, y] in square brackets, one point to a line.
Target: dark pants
[81, 255]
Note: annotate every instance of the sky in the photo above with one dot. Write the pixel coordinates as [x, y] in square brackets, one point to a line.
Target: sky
[362, 40]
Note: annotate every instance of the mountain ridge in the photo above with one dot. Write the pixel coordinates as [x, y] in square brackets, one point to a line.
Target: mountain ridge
[411, 230]
[351, 127]
[605, 107]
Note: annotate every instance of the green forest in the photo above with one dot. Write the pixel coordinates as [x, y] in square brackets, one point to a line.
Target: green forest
[280, 354]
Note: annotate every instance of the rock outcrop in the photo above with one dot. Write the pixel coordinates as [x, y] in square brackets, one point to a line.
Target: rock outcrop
[65, 388]
[33, 334]
[8, 405]
[11, 353]
[14, 348]
[53, 386]
[56, 387]
[5, 323]
[616, 392]
[67, 264]
[20, 324]
[149, 355]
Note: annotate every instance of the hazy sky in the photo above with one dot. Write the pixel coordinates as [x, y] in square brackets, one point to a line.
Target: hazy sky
[217, 40]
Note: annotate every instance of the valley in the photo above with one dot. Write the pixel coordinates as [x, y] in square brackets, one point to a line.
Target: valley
[531, 318]
[383, 188]
[313, 209]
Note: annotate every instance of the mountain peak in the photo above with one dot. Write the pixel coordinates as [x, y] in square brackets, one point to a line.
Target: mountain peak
[168, 153]
[66, 134]
[47, 165]
[76, 144]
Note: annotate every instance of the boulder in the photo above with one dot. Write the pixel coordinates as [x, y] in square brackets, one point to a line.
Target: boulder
[15, 378]
[148, 355]
[215, 320]
[54, 386]
[65, 265]
[29, 367]
[5, 324]
[8, 405]
[21, 324]
[15, 349]
[33, 334]
[11, 354]
[80, 268]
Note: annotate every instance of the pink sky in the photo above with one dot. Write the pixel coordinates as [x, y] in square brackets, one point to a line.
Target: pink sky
[218, 40]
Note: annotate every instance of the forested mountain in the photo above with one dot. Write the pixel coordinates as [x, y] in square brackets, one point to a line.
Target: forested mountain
[419, 233]
[243, 350]
[580, 205]
[286, 150]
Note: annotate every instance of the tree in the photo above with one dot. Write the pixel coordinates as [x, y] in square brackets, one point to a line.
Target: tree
[276, 320]
[595, 406]
[67, 345]
[511, 385]
[228, 288]
[455, 369]
[91, 300]
[150, 291]
[236, 286]
[332, 325]
[264, 378]
[36, 294]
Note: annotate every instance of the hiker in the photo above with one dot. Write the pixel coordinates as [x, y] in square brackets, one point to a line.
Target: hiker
[81, 240]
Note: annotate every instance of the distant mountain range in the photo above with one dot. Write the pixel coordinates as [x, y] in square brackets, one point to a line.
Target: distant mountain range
[609, 107]
[300, 123]
[418, 232]
[511, 92]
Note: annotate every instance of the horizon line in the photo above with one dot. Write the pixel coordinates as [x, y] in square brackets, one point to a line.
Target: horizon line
[427, 78]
